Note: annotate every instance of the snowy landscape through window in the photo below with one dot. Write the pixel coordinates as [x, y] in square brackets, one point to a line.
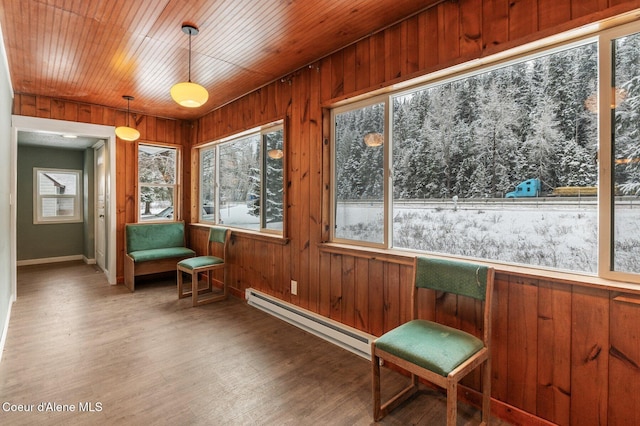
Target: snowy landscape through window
[499, 164]
[242, 185]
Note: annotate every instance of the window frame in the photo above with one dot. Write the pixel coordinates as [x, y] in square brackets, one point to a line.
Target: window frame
[387, 176]
[604, 209]
[77, 217]
[216, 188]
[606, 196]
[214, 146]
[177, 186]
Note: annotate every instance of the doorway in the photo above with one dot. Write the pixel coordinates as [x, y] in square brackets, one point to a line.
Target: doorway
[105, 189]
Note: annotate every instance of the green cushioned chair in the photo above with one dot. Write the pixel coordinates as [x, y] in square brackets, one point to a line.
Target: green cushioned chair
[435, 352]
[217, 244]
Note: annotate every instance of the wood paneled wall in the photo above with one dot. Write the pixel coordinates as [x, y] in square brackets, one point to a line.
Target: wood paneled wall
[562, 352]
[152, 129]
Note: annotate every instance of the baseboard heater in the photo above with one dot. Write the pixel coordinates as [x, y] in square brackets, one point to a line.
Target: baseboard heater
[339, 334]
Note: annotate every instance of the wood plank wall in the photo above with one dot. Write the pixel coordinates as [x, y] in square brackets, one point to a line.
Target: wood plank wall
[562, 352]
[152, 129]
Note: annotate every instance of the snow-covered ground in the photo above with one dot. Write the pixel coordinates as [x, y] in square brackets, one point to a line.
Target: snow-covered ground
[237, 214]
[562, 237]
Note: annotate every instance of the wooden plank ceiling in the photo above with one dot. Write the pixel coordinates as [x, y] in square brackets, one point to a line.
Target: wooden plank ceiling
[99, 50]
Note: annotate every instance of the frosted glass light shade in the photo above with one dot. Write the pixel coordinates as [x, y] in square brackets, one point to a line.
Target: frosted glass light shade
[127, 133]
[188, 94]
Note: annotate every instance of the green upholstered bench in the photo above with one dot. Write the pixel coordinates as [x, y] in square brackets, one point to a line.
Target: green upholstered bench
[151, 248]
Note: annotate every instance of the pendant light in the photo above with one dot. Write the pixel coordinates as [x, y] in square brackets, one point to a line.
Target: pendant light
[188, 94]
[127, 133]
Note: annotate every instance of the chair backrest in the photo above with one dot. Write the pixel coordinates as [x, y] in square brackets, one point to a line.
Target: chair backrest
[467, 279]
[218, 235]
[457, 277]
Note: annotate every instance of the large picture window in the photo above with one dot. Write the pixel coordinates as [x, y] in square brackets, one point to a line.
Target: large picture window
[157, 182]
[500, 164]
[57, 196]
[242, 180]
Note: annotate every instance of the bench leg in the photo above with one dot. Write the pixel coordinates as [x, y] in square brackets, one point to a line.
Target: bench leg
[129, 273]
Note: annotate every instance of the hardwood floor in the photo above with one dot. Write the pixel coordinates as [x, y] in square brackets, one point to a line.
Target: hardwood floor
[147, 358]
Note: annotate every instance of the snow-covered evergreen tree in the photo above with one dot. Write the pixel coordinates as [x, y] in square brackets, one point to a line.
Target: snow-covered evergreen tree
[155, 166]
[274, 175]
[627, 115]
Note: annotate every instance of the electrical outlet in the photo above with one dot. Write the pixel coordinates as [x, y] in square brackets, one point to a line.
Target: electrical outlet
[294, 287]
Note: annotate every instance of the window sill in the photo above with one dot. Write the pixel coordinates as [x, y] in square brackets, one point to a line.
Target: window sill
[247, 233]
[56, 222]
[406, 258]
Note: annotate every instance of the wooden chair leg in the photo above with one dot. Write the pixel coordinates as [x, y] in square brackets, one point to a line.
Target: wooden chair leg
[375, 364]
[400, 397]
[194, 288]
[225, 286]
[486, 392]
[452, 403]
[209, 297]
[380, 410]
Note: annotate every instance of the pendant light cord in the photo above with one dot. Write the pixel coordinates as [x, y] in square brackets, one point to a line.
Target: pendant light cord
[189, 56]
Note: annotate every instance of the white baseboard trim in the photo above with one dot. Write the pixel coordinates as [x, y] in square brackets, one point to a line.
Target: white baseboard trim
[88, 261]
[49, 260]
[5, 330]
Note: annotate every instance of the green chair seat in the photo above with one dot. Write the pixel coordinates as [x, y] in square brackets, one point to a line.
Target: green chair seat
[199, 262]
[433, 346]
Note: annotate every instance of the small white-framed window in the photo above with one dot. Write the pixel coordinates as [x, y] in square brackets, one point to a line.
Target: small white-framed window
[158, 182]
[57, 196]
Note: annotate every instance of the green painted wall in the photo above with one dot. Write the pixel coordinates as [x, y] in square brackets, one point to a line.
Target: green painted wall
[47, 240]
